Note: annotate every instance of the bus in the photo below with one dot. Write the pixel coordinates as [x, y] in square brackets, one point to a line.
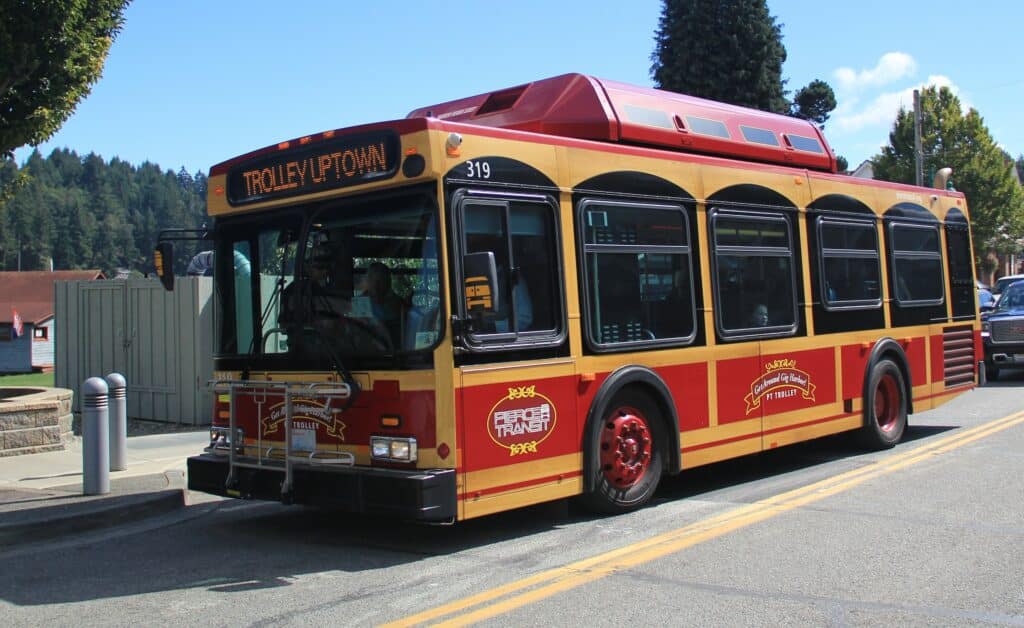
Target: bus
[565, 289]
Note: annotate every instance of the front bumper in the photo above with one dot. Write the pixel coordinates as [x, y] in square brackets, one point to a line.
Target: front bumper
[1004, 354]
[427, 496]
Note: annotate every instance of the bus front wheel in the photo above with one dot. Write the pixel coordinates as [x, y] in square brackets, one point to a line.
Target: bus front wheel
[626, 454]
[885, 407]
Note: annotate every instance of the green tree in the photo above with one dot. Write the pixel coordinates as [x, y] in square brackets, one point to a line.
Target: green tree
[85, 212]
[980, 169]
[739, 63]
[1020, 167]
[51, 53]
[725, 50]
[814, 102]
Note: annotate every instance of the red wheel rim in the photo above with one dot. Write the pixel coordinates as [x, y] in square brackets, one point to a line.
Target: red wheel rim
[625, 447]
[887, 403]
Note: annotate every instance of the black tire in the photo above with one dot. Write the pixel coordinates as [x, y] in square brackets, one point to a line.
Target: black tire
[991, 372]
[632, 425]
[885, 407]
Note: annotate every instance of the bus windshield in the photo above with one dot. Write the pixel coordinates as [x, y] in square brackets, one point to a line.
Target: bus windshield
[344, 282]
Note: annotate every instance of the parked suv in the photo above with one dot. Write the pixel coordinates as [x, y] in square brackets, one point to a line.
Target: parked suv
[1002, 282]
[1002, 331]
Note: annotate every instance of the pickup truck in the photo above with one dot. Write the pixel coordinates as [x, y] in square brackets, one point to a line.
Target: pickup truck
[1002, 331]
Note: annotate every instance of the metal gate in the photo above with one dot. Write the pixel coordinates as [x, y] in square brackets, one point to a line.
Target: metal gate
[162, 342]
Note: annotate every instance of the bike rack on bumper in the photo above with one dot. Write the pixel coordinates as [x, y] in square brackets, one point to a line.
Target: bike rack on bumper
[317, 477]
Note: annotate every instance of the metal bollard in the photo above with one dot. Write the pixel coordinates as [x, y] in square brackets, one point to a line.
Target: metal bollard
[118, 397]
[95, 438]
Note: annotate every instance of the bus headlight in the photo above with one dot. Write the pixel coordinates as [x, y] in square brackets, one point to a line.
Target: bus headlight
[393, 448]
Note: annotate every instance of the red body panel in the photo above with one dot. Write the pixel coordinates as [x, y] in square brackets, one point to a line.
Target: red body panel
[855, 363]
[917, 359]
[688, 384]
[938, 359]
[775, 383]
[352, 426]
[517, 422]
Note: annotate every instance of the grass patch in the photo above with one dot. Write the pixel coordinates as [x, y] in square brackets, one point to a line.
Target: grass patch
[28, 379]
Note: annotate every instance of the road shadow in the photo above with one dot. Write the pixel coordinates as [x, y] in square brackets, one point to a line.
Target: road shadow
[234, 547]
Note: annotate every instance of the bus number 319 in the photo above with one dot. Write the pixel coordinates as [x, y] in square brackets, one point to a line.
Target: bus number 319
[478, 169]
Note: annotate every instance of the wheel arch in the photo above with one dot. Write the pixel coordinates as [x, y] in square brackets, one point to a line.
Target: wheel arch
[893, 350]
[651, 384]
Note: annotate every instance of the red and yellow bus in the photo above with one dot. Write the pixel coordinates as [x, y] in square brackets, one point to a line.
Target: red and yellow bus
[568, 288]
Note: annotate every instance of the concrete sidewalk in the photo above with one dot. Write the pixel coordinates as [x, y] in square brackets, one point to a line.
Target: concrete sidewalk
[41, 494]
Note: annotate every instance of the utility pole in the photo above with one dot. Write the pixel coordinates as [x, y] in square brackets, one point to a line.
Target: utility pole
[918, 153]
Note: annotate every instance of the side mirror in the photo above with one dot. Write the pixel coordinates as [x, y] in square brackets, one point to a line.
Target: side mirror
[988, 307]
[481, 283]
[163, 260]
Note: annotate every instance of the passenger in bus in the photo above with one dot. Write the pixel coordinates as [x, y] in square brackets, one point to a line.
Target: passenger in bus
[759, 316]
[523, 305]
[385, 305]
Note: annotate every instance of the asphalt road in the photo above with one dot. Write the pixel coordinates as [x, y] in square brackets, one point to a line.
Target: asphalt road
[929, 533]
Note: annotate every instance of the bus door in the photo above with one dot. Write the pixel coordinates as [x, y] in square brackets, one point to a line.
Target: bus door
[756, 302]
[516, 403]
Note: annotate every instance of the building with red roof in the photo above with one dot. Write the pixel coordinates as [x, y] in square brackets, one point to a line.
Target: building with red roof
[27, 317]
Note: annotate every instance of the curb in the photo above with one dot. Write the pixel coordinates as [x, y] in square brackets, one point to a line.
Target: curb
[74, 516]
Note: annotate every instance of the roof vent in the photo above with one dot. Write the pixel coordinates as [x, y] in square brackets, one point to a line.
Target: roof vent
[501, 101]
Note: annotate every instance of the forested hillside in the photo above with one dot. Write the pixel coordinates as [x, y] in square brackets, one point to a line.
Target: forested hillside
[84, 212]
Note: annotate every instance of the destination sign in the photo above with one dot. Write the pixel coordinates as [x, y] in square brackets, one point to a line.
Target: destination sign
[337, 163]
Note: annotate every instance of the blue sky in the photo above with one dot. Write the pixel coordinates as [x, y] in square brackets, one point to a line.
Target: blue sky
[192, 82]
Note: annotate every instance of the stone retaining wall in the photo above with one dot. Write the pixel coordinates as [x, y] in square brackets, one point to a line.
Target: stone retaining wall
[35, 422]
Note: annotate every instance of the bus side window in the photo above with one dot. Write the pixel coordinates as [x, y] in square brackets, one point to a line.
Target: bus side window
[754, 256]
[522, 236]
[637, 274]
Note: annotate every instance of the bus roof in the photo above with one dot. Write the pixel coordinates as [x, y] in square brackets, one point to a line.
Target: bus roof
[579, 106]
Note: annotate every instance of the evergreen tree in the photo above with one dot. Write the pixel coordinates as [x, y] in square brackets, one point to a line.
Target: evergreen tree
[87, 213]
[731, 51]
[725, 50]
[980, 170]
[814, 102]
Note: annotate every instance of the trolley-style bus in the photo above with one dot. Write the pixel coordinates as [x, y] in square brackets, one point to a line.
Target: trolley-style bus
[568, 288]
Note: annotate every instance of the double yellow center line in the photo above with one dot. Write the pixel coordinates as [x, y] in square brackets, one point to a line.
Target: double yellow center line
[520, 593]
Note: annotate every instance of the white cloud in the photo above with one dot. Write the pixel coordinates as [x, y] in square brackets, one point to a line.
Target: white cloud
[848, 117]
[892, 66]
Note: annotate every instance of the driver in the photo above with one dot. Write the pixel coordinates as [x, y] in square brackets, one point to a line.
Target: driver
[333, 312]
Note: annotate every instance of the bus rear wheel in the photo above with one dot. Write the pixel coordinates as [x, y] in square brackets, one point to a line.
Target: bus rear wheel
[885, 407]
[627, 460]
